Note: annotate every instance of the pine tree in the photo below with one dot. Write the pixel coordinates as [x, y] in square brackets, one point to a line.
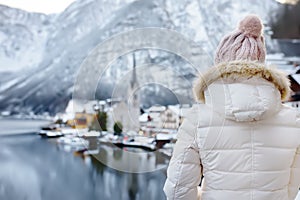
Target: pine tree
[99, 122]
[118, 128]
[102, 119]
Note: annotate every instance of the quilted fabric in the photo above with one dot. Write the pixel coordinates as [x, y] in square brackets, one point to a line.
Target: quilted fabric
[243, 141]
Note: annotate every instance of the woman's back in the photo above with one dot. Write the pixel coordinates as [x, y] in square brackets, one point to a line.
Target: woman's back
[242, 139]
[247, 142]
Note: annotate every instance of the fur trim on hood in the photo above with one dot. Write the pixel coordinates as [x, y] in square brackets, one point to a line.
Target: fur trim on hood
[247, 69]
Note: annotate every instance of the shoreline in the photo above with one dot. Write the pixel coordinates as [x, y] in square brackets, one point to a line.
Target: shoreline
[11, 127]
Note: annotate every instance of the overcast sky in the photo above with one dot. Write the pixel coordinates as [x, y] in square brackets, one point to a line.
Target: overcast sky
[42, 6]
[56, 6]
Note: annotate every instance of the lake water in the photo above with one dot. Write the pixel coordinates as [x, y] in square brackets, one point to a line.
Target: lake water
[33, 168]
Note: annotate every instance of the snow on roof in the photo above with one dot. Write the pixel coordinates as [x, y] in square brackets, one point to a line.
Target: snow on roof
[80, 106]
[276, 56]
[143, 117]
[289, 69]
[157, 108]
[293, 59]
[154, 115]
[163, 136]
[296, 77]
[278, 62]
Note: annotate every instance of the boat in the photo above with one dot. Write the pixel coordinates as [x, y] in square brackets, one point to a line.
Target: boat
[150, 147]
[108, 138]
[138, 142]
[91, 152]
[89, 134]
[69, 131]
[50, 133]
[162, 139]
[73, 141]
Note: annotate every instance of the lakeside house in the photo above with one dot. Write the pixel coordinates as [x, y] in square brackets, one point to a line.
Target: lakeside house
[80, 114]
[173, 116]
[163, 119]
[295, 87]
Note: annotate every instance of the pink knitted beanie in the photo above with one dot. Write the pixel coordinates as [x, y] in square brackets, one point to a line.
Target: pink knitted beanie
[245, 43]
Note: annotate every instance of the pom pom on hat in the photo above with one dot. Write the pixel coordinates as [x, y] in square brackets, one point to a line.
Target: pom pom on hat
[251, 26]
[245, 43]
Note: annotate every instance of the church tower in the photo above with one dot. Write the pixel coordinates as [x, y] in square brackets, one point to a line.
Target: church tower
[133, 99]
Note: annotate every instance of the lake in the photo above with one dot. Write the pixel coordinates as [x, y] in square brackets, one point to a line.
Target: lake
[36, 168]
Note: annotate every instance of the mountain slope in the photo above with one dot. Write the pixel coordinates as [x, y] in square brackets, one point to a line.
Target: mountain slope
[57, 45]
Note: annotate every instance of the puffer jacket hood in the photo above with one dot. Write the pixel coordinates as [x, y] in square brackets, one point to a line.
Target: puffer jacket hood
[243, 90]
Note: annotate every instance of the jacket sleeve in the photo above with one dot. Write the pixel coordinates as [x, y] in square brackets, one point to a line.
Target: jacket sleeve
[295, 176]
[184, 172]
[295, 170]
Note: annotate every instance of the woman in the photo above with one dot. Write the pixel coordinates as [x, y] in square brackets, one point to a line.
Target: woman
[240, 137]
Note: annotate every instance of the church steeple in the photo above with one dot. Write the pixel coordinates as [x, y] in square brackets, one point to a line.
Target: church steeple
[134, 99]
[133, 81]
[128, 110]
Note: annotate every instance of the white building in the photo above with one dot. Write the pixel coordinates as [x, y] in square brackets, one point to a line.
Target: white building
[173, 116]
[161, 117]
[127, 111]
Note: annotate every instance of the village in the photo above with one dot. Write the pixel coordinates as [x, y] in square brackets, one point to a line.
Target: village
[123, 123]
[119, 121]
[155, 128]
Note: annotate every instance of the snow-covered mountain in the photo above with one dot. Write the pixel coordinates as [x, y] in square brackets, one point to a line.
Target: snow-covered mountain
[22, 37]
[40, 54]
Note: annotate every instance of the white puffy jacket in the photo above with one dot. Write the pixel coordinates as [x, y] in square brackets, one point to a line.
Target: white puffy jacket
[244, 142]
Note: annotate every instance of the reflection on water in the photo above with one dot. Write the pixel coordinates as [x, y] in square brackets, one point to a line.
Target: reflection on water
[33, 168]
[131, 159]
